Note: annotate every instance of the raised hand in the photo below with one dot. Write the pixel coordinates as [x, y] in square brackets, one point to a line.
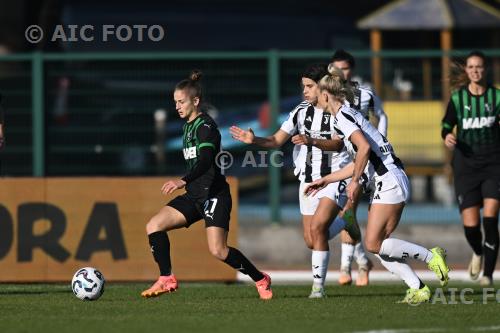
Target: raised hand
[242, 135]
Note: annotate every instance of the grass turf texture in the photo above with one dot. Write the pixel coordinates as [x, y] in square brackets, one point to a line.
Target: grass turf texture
[236, 308]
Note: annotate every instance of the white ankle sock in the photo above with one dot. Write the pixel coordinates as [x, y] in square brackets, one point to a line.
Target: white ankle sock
[347, 256]
[360, 254]
[336, 227]
[319, 260]
[400, 249]
[402, 270]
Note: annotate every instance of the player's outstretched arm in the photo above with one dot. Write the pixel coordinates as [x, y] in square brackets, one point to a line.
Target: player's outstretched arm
[317, 185]
[274, 141]
[323, 144]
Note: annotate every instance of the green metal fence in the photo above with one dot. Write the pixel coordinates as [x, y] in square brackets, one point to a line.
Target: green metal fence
[93, 113]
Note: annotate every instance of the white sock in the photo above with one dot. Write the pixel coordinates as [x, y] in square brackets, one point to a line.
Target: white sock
[347, 256]
[336, 227]
[360, 254]
[400, 249]
[401, 270]
[319, 260]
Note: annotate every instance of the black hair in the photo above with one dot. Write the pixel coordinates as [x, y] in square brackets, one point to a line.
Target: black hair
[342, 55]
[315, 72]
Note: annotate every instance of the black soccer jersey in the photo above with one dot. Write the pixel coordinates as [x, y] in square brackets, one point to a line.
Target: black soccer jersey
[477, 119]
[204, 177]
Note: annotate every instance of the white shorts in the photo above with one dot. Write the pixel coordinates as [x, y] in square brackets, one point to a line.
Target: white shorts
[334, 191]
[391, 188]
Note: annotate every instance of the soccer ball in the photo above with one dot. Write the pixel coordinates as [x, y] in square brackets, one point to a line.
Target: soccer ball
[88, 284]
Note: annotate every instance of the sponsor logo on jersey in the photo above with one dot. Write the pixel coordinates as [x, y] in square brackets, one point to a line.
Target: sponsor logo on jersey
[478, 122]
[488, 107]
[327, 119]
[189, 153]
[309, 119]
[356, 101]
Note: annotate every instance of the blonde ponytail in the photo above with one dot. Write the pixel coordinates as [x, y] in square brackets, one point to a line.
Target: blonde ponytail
[336, 84]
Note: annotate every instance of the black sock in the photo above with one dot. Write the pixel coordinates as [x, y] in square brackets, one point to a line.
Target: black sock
[491, 240]
[238, 261]
[422, 285]
[160, 246]
[475, 238]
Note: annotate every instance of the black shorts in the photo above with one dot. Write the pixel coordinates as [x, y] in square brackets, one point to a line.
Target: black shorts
[475, 180]
[216, 211]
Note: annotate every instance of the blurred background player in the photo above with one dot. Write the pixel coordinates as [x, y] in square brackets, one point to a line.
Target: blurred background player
[474, 109]
[370, 106]
[207, 196]
[315, 155]
[391, 188]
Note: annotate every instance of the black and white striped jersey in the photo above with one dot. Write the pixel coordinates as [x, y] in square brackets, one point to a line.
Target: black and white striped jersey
[366, 102]
[382, 155]
[312, 163]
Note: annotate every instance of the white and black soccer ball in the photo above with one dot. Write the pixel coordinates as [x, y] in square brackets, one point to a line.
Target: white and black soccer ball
[88, 284]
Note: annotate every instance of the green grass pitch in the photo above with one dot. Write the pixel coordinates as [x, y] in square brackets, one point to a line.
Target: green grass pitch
[236, 308]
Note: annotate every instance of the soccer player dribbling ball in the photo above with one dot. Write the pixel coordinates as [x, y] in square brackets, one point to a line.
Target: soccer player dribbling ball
[391, 189]
[207, 197]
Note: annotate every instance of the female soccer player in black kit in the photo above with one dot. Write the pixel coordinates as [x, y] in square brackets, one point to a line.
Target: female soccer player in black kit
[474, 108]
[207, 196]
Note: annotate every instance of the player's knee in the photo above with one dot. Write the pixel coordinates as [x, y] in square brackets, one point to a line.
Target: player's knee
[317, 229]
[153, 225]
[372, 246]
[218, 252]
[308, 241]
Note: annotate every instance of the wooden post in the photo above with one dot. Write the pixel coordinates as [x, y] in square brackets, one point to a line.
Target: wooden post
[427, 78]
[445, 94]
[445, 64]
[376, 46]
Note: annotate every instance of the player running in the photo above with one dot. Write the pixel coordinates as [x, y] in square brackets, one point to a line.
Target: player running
[315, 155]
[368, 104]
[474, 109]
[391, 188]
[207, 197]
